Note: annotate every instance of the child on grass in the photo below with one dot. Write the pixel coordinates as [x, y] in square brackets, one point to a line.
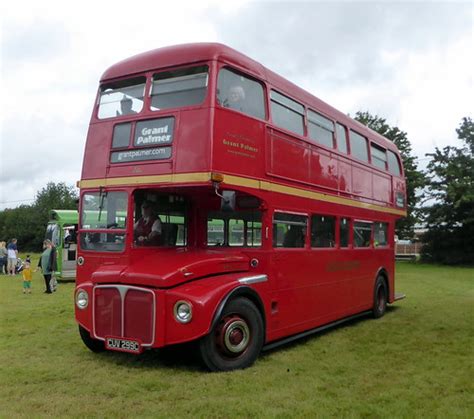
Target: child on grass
[27, 277]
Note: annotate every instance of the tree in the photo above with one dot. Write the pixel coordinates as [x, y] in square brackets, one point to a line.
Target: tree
[415, 179]
[27, 223]
[450, 216]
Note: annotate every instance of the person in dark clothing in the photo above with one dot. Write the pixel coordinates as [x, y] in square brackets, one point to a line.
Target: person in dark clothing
[47, 264]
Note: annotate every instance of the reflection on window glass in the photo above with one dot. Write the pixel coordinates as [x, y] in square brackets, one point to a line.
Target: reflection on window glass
[121, 137]
[238, 228]
[241, 93]
[103, 211]
[380, 234]
[178, 88]
[289, 230]
[323, 230]
[215, 232]
[320, 129]
[121, 98]
[379, 156]
[393, 164]
[341, 138]
[287, 113]
[159, 219]
[362, 234]
[344, 232]
[359, 146]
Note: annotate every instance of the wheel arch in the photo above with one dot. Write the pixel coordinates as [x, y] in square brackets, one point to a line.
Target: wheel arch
[384, 274]
[241, 291]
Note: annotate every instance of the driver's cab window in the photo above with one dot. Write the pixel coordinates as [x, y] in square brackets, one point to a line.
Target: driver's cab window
[159, 219]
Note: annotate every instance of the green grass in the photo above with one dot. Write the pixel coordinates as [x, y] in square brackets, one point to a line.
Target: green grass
[415, 361]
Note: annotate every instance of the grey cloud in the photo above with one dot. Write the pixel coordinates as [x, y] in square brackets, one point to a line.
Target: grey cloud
[37, 41]
[339, 43]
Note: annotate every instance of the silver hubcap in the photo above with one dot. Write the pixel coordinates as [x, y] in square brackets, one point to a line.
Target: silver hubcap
[237, 336]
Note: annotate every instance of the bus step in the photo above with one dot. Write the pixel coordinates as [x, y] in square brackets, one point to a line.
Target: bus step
[399, 296]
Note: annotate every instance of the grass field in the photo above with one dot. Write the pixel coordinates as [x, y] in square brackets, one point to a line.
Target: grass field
[416, 361]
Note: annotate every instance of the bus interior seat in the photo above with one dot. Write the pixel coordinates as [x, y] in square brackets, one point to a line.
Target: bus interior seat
[170, 234]
[294, 237]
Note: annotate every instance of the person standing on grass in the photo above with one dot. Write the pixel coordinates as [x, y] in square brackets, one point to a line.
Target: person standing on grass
[47, 263]
[12, 250]
[3, 257]
[27, 277]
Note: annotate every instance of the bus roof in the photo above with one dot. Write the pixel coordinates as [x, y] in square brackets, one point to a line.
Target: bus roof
[64, 216]
[197, 52]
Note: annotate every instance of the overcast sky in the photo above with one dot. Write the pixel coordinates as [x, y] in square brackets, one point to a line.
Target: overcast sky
[409, 62]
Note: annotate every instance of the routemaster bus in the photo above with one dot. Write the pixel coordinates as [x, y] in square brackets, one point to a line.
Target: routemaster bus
[223, 205]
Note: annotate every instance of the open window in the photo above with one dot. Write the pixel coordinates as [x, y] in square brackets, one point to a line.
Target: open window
[159, 219]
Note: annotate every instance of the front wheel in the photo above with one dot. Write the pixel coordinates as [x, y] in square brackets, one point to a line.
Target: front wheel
[380, 297]
[94, 345]
[236, 339]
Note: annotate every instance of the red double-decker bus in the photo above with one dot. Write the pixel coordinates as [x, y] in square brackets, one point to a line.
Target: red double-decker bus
[222, 204]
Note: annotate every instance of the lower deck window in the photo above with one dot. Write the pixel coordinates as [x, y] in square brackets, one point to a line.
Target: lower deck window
[323, 229]
[362, 234]
[289, 230]
[380, 234]
[234, 229]
[344, 232]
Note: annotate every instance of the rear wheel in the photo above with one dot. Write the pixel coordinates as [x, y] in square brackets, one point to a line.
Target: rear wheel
[94, 345]
[380, 297]
[236, 339]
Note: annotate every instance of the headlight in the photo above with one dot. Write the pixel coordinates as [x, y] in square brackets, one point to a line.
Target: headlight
[82, 299]
[183, 311]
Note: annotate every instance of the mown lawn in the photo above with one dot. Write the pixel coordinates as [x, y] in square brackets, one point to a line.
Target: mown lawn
[416, 361]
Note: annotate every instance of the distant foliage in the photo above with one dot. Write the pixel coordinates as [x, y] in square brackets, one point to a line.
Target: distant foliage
[28, 223]
[450, 215]
[415, 179]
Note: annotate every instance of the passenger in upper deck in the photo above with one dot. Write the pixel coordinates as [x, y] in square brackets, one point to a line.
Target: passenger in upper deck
[147, 229]
[126, 107]
[235, 98]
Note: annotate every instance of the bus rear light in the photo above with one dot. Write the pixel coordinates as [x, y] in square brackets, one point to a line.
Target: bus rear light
[217, 177]
[183, 312]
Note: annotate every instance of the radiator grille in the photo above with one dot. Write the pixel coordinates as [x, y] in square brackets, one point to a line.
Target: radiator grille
[124, 311]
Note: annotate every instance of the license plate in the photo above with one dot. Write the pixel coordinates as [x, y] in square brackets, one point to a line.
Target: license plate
[123, 345]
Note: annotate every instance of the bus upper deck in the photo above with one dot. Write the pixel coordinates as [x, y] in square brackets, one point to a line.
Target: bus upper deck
[176, 114]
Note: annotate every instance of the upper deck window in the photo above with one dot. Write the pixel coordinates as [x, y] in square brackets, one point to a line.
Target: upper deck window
[241, 93]
[393, 164]
[178, 88]
[287, 113]
[341, 138]
[320, 129]
[379, 156]
[124, 97]
[359, 146]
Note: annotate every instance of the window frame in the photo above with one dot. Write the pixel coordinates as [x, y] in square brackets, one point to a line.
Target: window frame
[335, 241]
[321, 124]
[250, 77]
[373, 156]
[281, 102]
[358, 136]
[295, 223]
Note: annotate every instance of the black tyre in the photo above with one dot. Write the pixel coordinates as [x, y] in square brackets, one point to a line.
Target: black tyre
[236, 339]
[93, 344]
[380, 297]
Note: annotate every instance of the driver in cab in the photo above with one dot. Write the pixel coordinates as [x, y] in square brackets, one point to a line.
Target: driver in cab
[147, 229]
